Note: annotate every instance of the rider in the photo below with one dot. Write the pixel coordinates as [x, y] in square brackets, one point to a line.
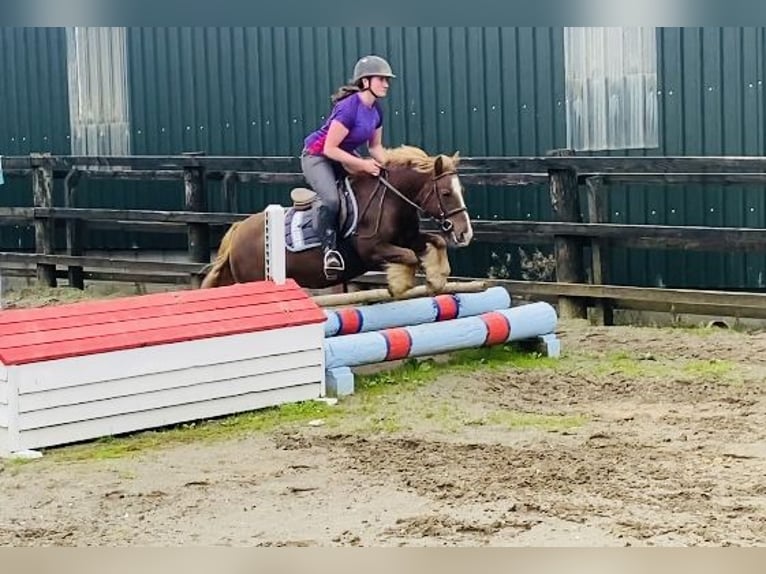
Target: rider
[330, 151]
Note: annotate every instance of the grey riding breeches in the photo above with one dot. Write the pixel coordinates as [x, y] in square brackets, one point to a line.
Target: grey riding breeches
[321, 175]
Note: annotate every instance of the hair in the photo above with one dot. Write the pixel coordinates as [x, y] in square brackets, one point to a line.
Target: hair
[411, 156]
[345, 91]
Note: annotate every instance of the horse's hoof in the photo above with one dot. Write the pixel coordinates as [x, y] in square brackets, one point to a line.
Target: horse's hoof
[434, 286]
[396, 293]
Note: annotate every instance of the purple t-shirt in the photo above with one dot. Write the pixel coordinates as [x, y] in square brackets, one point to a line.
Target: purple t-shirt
[360, 120]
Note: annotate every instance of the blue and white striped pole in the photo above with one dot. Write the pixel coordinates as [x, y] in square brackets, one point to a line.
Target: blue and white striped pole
[445, 307]
[492, 328]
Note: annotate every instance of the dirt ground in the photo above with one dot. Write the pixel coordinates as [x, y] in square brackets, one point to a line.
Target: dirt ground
[635, 437]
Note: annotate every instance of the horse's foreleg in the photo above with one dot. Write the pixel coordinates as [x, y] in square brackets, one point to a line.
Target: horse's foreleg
[435, 262]
[400, 264]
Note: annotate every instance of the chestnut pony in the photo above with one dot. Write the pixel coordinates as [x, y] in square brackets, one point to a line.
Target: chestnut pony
[387, 235]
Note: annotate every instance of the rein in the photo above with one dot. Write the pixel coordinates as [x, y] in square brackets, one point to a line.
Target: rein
[443, 219]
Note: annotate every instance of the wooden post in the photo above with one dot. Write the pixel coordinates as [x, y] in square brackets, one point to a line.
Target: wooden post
[275, 251]
[196, 200]
[74, 230]
[598, 209]
[42, 193]
[229, 190]
[569, 254]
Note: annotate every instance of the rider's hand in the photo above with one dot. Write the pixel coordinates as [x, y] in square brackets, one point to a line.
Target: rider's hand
[371, 166]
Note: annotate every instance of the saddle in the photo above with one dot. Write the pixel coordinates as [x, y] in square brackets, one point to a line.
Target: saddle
[299, 219]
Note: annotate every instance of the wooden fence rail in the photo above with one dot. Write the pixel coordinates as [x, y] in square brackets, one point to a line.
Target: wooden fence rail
[564, 175]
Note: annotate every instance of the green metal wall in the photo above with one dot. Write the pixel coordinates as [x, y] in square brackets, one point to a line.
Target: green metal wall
[480, 91]
[711, 102]
[259, 91]
[34, 109]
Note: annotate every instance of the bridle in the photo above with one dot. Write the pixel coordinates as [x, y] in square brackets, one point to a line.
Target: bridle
[443, 218]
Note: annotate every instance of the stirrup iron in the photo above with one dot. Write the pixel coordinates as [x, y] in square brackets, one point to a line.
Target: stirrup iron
[333, 261]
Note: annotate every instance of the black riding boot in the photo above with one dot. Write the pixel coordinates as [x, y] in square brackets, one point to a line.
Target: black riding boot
[333, 260]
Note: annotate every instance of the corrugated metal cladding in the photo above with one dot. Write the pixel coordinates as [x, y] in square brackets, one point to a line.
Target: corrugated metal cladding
[34, 114]
[480, 91]
[98, 91]
[611, 88]
[711, 102]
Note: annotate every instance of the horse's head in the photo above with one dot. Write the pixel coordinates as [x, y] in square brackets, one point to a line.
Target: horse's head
[444, 202]
[433, 185]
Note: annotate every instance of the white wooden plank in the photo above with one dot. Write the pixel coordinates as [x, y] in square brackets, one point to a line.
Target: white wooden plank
[3, 372]
[171, 397]
[127, 386]
[5, 445]
[3, 415]
[110, 426]
[75, 371]
[3, 392]
[10, 437]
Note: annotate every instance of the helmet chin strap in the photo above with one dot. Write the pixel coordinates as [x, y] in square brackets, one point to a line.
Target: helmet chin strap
[369, 89]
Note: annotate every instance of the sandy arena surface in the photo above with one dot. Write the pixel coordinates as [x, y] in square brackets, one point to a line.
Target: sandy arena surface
[637, 436]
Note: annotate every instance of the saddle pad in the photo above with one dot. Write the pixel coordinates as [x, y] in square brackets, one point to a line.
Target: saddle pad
[299, 230]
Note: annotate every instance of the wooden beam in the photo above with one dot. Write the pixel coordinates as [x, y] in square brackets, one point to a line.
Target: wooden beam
[689, 237]
[92, 214]
[713, 178]
[128, 265]
[519, 164]
[16, 215]
[733, 303]
[381, 295]
[114, 277]
[604, 165]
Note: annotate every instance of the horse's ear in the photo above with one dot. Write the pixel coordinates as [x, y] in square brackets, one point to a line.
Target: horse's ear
[438, 166]
[456, 158]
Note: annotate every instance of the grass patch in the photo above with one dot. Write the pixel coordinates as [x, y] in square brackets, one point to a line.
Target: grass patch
[415, 372]
[204, 431]
[713, 369]
[411, 373]
[624, 364]
[501, 356]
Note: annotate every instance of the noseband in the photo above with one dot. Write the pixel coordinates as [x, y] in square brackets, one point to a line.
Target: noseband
[443, 218]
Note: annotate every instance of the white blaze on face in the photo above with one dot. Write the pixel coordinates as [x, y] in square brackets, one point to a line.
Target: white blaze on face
[458, 191]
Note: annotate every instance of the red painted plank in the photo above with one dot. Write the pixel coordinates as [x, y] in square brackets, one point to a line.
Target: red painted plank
[31, 335]
[247, 314]
[123, 341]
[118, 315]
[213, 296]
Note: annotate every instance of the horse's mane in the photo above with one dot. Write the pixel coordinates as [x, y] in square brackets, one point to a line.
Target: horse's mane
[416, 158]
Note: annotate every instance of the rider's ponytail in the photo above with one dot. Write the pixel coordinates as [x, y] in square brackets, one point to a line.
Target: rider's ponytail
[346, 91]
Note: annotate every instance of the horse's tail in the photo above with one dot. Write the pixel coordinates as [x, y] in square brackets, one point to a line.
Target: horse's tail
[214, 270]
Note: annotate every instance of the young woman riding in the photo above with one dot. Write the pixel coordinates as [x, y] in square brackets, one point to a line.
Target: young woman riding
[330, 152]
